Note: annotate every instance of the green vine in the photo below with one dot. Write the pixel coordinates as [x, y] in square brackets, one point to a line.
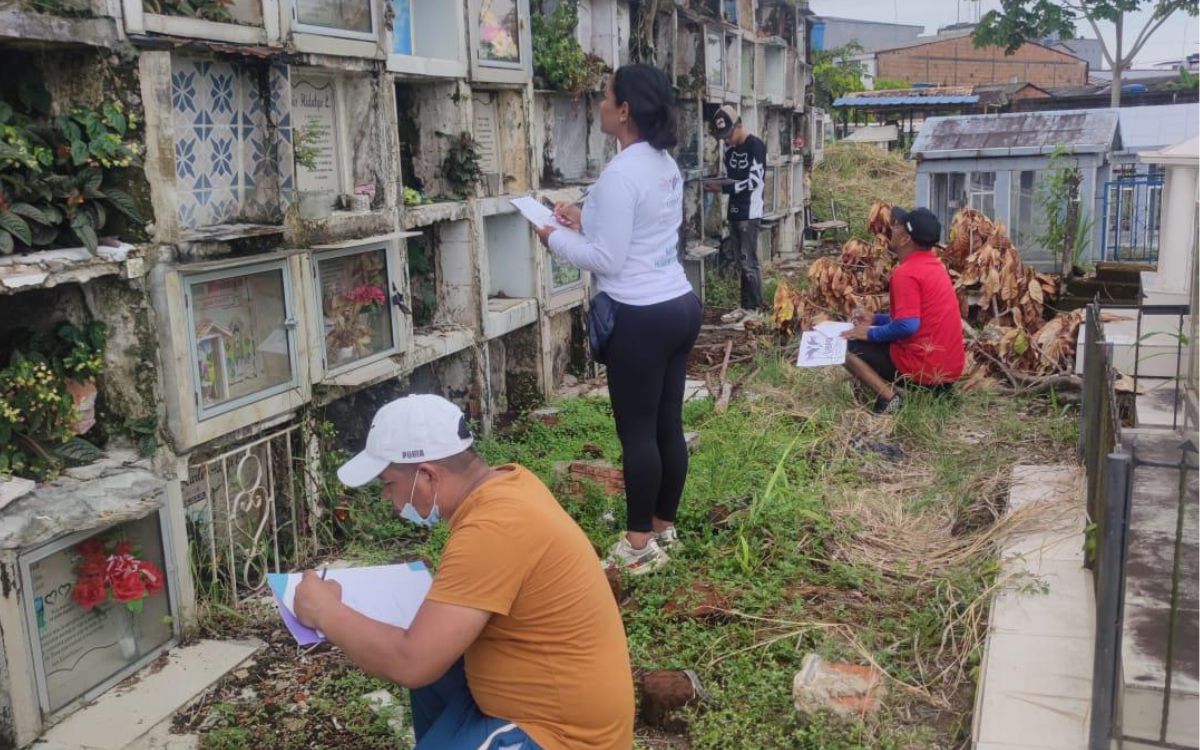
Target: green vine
[461, 165]
[304, 143]
[209, 10]
[559, 62]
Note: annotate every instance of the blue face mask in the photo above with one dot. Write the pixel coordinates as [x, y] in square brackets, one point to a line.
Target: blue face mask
[409, 513]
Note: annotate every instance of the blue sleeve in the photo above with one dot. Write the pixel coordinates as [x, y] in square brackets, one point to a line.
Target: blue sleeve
[882, 319]
[901, 328]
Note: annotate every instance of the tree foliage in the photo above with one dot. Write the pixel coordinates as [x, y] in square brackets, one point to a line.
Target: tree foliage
[1019, 21]
[835, 74]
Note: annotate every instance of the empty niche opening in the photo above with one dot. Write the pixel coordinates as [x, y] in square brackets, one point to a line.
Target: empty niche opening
[773, 64]
[797, 183]
[770, 133]
[510, 260]
[786, 145]
[687, 156]
[664, 41]
[425, 115]
[733, 60]
[513, 365]
[440, 276]
[769, 186]
[453, 378]
[714, 59]
[689, 64]
[748, 68]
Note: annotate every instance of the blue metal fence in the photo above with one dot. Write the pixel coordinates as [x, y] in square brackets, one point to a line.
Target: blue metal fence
[1132, 217]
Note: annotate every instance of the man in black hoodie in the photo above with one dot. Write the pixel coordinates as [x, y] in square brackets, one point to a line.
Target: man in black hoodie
[745, 163]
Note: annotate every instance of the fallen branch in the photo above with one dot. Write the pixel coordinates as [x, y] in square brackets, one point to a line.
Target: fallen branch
[722, 404]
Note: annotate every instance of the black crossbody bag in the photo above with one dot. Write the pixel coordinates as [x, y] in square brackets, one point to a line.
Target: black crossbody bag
[602, 319]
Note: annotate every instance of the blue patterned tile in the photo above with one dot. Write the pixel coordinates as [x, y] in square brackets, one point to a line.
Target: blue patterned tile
[187, 211]
[222, 155]
[185, 159]
[225, 206]
[203, 126]
[223, 91]
[281, 92]
[183, 91]
[203, 191]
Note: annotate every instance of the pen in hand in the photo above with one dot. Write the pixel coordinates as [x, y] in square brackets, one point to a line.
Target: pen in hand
[324, 570]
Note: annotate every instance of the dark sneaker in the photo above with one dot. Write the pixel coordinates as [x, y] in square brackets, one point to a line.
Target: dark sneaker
[887, 407]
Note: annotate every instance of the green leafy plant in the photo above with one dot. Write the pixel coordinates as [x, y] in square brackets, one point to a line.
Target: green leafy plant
[37, 411]
[304, 142]
[461, 165]
[558, 60]
[209, 10]
[414, 197]
[1067, 225]
[55, 173]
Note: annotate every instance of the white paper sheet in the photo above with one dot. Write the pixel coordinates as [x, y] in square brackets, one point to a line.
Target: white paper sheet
[823, 346]
[535, 211]
[388, 593]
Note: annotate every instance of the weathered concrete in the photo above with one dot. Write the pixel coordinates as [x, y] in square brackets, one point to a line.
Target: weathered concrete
[125, 714]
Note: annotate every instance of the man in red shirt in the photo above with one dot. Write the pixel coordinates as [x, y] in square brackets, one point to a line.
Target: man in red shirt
[922, 339]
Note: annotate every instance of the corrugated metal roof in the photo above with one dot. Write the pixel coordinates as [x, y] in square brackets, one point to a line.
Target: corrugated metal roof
[893, 100]
[1144, 128]
[1018, 133]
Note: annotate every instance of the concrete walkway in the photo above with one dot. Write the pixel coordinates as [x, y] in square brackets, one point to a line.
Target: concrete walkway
[1035, 685]
[137, 714]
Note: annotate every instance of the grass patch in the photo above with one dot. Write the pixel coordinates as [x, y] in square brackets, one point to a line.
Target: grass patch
[798, 515]
[854, 176]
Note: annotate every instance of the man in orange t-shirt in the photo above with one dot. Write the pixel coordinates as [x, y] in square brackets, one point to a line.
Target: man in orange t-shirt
[519, 644]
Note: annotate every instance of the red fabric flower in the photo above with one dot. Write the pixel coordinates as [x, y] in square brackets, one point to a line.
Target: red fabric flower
[93, 547]
[124, 548]
[154, 578]
[92, 566]
[89, 591]
[129, 587]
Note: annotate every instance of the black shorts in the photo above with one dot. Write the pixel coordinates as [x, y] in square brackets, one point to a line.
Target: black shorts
[878, 356]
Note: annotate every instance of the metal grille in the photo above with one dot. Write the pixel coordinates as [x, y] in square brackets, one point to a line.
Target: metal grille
[251, 511]
[1132, 217]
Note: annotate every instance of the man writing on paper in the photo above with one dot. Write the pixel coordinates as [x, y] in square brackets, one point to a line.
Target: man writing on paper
[519, 643]
[922, 339]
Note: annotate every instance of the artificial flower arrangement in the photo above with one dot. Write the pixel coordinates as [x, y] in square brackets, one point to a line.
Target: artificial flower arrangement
[113, 568]
[351, 330]
[496, 34]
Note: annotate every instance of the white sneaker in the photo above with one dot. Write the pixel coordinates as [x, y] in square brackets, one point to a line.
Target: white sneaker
[636, 561]
[733, 316]
[667, 539]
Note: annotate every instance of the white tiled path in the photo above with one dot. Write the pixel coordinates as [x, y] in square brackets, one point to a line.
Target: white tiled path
[1036, 683]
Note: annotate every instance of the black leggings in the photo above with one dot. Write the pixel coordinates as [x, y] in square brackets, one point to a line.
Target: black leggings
[647, 366]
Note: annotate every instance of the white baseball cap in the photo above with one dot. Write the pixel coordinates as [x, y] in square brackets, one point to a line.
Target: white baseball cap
[409, 430]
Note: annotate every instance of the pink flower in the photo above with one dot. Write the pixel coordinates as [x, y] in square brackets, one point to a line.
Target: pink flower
[367, 295]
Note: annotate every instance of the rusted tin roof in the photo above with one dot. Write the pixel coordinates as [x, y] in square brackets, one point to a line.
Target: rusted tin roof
[1018, 134]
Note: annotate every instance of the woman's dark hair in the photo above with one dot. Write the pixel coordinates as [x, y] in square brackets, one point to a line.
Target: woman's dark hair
[651, 102]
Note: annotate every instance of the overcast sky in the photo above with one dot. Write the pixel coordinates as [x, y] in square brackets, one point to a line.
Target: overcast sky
[1177, 37]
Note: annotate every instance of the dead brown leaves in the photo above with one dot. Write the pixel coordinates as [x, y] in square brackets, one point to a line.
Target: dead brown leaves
[1003, 301]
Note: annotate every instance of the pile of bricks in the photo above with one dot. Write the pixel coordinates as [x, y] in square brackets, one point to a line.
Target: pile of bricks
[573, 476]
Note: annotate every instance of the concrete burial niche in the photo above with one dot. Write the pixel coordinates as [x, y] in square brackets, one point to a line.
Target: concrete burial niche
[429, 116]
[66, 638]
[513, 372]
[444, 290]
[512, 289]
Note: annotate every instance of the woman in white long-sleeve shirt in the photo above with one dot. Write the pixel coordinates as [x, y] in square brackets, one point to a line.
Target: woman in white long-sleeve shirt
[627, 235]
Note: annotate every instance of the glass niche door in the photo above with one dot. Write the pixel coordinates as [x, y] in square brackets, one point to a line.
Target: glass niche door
[243, 341]
[358, 323]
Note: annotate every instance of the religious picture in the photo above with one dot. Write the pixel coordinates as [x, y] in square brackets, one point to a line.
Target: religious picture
[242, 346]
[355, 306]
[499, 32]
[343, 15]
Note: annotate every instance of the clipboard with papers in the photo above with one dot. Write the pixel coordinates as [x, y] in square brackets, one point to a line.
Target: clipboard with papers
[823, 346]
[388, 593]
